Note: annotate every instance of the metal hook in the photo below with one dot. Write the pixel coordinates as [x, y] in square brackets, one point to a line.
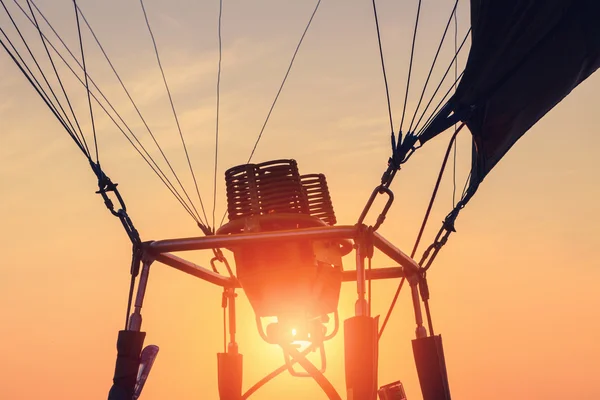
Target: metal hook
[219, 256]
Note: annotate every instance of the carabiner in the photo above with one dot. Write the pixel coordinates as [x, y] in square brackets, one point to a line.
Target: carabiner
[378, 190]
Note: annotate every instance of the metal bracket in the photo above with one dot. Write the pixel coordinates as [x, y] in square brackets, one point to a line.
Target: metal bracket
[413, 280]
[135, 320]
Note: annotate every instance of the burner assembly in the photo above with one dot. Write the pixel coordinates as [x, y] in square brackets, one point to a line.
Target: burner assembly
[297, 281]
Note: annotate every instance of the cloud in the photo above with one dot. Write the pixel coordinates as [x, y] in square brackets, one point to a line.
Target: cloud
[185, 72]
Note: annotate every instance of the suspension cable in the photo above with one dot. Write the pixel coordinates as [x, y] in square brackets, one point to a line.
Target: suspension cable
[442, 101]
[437, 53]
[443, 79]
[391, 308]
[154, 166]
[33, 81]
[262, 129]
[66, 117]
[412, 52]
[87, 86]
[455, 81]
[283, 82]
[217, 117]
[423, 225]
[435, 190]
[173, 109]
[466, 186]
[36, 25]
[174, 190]
[402, 150]
[440, 240]
[385, 81]
[63, 118]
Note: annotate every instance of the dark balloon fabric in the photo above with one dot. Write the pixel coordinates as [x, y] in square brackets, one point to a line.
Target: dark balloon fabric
[526, 56]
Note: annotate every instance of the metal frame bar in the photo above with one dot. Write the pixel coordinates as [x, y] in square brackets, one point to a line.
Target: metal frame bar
[160, 251]
[205, 274]
[375, 274]
[135, 319]
[395, 253]
[220, 241]
[195, 270]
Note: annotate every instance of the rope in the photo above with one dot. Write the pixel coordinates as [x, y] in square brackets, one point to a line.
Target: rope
[168, 183]
[18, 60]
[412, 52]
[35, 23]
[455, 79]
[283, 82]
[173, 109]
[437, 53]
[147, 157]
[433, 115]
[217, 118]
[422, 229]
[443, 79]
[389, 312]
[63, 119]
[70, 130]
[279, 91]
[87, 87]
[428, 316]
[435, 190]
[385, 81]
[33, 81]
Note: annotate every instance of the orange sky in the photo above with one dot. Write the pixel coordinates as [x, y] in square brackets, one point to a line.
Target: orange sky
[513, 293]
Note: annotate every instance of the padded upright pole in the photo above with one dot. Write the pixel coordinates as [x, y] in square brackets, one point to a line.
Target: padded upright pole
[361, 356]
[230, 376]
[129, 347]
[431, 367]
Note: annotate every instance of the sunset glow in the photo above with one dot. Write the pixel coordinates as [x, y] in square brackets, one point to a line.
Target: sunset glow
[513, 292]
